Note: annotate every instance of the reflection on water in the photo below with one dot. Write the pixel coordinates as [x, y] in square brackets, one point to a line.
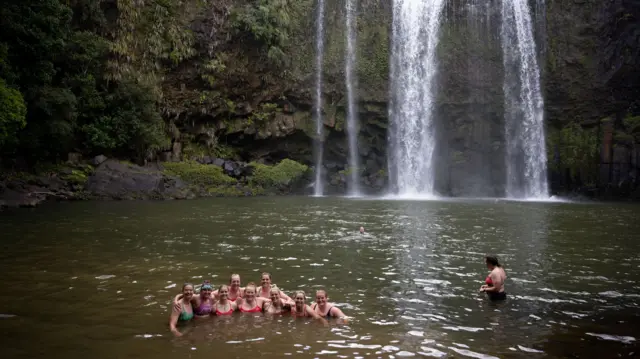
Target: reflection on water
[99, 277]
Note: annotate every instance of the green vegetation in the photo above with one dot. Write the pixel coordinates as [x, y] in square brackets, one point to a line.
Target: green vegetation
[266, 112]
[268, 24]
[72, 80]
[198, 174]
[575, 149]
[283, 174]
[12, 113]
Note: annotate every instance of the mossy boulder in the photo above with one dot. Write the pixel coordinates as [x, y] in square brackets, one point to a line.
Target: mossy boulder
[285, 174]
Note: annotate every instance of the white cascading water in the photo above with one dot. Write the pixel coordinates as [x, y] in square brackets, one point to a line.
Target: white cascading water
[319, 142]
[524, 105]
[416, 26]
[353, 184]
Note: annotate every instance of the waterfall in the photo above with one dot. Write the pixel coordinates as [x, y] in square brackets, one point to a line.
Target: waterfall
[524, 105]
[416, 25]
[319, 141]
[352, 112]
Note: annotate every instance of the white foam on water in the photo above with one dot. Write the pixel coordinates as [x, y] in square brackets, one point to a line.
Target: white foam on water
[355, 346]
[416, 333]
[148, 336]
[616, 338]
[430, 352]
[382, 322]
[575, 315]
[466, 329]
[105, 276]
[431, 281]
[471, 354]
[529, 350]
[564, 292]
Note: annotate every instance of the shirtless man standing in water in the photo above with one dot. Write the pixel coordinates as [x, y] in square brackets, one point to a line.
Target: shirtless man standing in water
[494, 286]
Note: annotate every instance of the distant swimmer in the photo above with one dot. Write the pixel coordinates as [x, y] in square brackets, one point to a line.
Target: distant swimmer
[361, 230]
[494, 286]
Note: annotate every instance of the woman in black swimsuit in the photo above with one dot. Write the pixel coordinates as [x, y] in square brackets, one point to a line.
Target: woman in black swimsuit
[325, 309]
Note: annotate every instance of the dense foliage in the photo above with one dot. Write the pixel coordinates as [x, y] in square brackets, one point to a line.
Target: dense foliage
[77, 75]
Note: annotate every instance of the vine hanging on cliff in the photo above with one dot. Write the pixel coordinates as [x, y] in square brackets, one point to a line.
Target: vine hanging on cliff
[151, 35]
[268, 23]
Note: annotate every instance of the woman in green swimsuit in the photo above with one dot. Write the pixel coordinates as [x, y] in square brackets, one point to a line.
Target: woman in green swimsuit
[185, 312]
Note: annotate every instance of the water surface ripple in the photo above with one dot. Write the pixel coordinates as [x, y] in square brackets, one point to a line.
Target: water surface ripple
[98, 277]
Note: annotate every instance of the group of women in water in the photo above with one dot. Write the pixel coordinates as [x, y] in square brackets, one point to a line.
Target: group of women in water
[227, 299]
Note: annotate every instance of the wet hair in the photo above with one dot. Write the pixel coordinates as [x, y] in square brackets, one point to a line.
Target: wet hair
[274, 289]
[206, 285]
[321, 291]
[222, 286]
[250, 285]
[185, 285]
[233, 275]
[300, 292]
[492, 260]
[267, 274]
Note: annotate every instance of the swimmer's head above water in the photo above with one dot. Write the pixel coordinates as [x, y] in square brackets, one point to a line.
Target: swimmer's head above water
[492, 262]
[187, 291]
[361, 230]
[206, 289]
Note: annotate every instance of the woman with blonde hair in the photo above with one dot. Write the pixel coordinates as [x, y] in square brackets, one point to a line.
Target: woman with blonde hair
[325, 309]
[252, 303]
[302, 309]
[224, 306]
[235, 290]
[277, 305]
[265, 290]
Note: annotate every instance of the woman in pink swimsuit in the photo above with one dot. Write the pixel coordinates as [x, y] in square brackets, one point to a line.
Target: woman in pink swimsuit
[235, 291]
[251, 303]
[224, 306]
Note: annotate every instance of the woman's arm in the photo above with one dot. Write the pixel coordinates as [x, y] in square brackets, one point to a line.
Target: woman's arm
[312, 313]
[263, 302]
[176, 301]
[285, 297]
[336, 312]
[173, 320]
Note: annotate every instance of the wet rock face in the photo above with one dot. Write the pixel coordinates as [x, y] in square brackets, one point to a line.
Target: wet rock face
[588, 54]
[117, 180]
